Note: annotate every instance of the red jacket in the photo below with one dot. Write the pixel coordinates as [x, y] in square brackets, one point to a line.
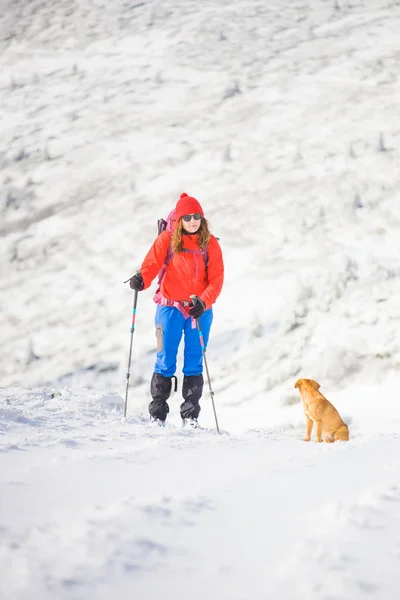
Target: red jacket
[186, 273]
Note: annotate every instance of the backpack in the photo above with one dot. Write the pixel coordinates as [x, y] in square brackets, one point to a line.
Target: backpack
[167, 225]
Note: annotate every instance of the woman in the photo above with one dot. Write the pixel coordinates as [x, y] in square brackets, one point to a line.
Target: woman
[194, 267]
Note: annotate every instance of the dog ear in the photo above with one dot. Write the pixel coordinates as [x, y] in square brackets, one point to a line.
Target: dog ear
[315, 384]
[297, 384]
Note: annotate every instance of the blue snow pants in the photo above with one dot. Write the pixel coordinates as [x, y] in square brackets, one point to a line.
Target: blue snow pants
[170, 326]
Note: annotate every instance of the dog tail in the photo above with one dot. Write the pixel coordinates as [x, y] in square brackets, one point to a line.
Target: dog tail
[342, 434]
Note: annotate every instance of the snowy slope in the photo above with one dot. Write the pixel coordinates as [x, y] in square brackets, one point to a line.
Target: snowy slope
[282, 119]
[91, 506]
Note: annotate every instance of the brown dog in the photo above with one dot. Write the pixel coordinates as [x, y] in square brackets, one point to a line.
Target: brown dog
[320, 411]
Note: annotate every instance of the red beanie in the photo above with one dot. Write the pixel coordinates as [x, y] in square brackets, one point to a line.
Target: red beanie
[187, 205]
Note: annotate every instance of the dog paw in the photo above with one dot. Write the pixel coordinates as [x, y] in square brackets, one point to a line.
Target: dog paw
[306, 439]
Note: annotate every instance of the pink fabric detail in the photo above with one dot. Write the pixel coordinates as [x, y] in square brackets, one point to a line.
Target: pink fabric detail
[163, 301]
[171, 220]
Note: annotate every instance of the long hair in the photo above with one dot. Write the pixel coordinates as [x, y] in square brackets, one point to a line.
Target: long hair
[203, 233]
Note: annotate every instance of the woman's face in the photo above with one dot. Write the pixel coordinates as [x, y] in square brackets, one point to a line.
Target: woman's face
[193, 224]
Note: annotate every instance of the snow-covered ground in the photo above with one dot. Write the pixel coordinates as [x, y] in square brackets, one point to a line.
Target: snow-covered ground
[282, 119]
[91, 506]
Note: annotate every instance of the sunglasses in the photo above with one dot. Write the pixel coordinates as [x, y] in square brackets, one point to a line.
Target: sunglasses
[188, 218]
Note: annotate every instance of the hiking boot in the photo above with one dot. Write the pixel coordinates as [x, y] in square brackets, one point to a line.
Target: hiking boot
[193, 423]
[158, 422]
[160, 389]
[192, 389]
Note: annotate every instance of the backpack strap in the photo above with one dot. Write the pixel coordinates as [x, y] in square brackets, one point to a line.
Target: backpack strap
[161, 225]
[167, 260]
[195, 254]
[169, 256]
[204, 252]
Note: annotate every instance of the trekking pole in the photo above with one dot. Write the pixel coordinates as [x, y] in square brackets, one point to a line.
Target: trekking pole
[206, 366]
[128, 374]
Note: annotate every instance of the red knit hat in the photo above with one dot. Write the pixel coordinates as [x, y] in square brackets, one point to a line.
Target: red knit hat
[187, 205]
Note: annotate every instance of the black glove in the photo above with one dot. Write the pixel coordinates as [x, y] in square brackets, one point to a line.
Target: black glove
[136, 282]
[198, 307]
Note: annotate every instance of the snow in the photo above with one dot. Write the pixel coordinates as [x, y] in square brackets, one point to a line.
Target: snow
[93, 505]
[282, 119]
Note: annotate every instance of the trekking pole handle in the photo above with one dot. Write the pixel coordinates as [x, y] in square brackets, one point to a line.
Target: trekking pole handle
[136, 272]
